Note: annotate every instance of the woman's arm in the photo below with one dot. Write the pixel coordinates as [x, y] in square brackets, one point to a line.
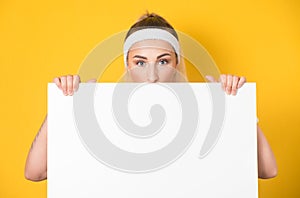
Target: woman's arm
[267, 167]
[36, 163]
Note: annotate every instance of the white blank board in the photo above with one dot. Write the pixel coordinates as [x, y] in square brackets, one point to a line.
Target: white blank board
[227, 170]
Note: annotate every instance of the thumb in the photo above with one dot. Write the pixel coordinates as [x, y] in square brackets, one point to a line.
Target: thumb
[93, 80]
[210, 78]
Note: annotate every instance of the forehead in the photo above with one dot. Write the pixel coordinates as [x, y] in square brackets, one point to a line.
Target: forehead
[153, 44]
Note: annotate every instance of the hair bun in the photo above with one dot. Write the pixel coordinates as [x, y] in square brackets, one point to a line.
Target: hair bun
[150, 20]
[147, 15]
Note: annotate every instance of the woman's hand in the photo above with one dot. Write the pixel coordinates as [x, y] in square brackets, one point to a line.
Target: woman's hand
[69, 83]
[230, 83]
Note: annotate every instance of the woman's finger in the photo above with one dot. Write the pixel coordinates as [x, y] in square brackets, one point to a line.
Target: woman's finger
[241, 81]
[70, 84]
[234, 87]
[223, 80]
[228, 84]
[57, 82]
[63, 80]
[76, 81]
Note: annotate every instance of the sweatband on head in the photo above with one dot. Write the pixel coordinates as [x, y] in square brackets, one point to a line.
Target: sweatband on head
[151, 33]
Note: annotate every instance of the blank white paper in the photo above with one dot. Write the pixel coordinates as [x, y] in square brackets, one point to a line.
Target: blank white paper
[227, 168]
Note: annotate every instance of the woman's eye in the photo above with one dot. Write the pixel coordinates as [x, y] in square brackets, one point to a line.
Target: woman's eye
[163, 62]
[140, 63]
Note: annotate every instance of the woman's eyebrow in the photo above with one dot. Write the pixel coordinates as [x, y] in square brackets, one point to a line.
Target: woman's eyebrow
[138, 56]
[165, 54]
[143, 57]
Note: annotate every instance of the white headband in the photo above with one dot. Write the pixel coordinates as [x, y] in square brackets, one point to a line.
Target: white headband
[151, 33]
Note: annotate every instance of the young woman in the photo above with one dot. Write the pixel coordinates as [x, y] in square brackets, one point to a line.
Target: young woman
[151, 54]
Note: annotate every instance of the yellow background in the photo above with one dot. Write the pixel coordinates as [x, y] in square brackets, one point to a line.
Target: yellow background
[257, 39]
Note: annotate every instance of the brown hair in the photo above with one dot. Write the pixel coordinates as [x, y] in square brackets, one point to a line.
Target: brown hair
[151, 20]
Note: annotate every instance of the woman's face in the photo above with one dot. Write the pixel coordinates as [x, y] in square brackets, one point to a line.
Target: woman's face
[151, 61]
